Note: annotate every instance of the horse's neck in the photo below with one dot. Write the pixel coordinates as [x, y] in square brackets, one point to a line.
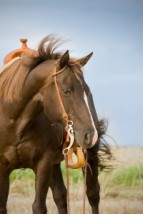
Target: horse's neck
[32, 109]
[36, 80]
[29, 98]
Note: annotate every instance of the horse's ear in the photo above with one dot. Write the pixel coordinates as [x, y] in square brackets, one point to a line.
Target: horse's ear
[82, 61]
[64, 59]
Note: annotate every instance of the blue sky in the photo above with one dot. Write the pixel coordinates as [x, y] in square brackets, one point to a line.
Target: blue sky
[112, 29]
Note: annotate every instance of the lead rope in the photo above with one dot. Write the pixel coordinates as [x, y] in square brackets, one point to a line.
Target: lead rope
[85, 179]
[70, 137]
[65, 152]
[67, 183]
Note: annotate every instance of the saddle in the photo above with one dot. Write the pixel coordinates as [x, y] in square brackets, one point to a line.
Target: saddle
[20, 51]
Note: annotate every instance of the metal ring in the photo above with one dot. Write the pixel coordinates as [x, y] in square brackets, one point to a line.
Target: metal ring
[70, 122]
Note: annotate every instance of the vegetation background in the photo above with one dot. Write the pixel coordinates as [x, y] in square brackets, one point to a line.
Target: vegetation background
[121, 188]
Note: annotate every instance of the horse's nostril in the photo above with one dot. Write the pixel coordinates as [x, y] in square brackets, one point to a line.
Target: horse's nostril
[88, 138]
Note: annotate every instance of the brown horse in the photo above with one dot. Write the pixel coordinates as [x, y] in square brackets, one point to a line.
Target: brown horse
[32, 122]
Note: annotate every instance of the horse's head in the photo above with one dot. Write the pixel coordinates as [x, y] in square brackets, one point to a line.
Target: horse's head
[67, 95]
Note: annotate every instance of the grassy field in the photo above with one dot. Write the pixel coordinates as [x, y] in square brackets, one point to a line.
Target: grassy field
[121, 188]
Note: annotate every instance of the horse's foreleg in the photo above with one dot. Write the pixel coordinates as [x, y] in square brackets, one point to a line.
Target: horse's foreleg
[59, 190]
[43, 176]
[4, 189]
[93, 187]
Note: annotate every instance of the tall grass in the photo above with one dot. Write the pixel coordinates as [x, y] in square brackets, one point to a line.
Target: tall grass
[22, 174]
[124, 182]
[76, 175]
[131, 176]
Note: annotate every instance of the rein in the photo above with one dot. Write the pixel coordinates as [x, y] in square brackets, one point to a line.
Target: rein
[65, 115]
[69, 147]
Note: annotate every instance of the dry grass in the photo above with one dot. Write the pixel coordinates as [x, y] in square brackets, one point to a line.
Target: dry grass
[114, 200]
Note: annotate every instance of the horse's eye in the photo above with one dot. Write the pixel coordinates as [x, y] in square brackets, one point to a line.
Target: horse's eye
[67, 91]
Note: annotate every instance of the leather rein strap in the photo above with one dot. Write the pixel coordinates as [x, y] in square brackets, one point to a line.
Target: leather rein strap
[65, 115]
[68, 150]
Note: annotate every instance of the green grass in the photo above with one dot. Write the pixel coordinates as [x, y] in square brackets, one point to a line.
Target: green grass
[75, 175]
[131, 176]
[27, 174]
[21, 174]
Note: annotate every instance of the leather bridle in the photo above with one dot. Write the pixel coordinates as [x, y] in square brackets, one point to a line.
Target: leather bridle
[64, 115]
[69, 144]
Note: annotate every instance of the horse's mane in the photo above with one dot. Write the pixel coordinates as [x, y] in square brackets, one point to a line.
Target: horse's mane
[12, 79]
[101, 152]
